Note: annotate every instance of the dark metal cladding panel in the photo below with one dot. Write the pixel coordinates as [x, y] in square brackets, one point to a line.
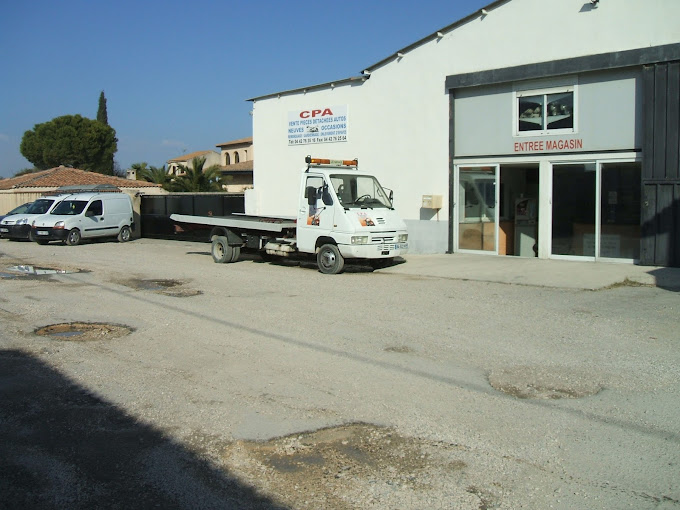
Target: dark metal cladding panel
[673, 122]
[648, 122]
[648, 230]
[660, 101]
[665, 225]
[676, 218]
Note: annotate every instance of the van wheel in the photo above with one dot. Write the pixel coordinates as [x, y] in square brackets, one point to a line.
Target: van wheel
[73, 237]
[221, 251]
[329, 259]
[124, 235]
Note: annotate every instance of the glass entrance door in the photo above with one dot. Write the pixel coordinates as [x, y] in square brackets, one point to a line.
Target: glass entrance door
[573, 212]
[596, 210]
[477, 211]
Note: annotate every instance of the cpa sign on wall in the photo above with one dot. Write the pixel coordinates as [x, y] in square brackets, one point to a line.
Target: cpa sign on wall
[325, 124]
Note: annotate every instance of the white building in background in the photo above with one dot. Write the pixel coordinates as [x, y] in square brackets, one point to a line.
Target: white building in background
[541, 128]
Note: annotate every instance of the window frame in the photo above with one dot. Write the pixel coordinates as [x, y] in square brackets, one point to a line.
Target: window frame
[545, 92]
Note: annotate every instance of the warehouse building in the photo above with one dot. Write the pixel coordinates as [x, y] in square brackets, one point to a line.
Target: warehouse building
[531, 128]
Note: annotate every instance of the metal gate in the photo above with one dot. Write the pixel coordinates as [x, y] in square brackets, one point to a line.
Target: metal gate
[156, 210]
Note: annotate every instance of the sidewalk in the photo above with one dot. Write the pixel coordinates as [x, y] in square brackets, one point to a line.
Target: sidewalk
[536, 272]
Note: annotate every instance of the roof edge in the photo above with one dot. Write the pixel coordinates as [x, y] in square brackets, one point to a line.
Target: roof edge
[483, 11]
[331, 84]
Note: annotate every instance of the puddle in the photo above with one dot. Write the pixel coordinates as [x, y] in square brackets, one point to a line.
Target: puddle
[530, 382]
[167, 287]
[29, 270]
[84, 331]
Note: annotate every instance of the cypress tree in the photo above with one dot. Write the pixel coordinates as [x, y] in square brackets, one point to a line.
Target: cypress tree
[102, 115]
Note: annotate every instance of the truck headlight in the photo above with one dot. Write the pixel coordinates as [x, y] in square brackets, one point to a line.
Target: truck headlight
[403, 238]
[359, 240]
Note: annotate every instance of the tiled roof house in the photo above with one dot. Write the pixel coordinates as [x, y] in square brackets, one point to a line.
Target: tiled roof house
[27, 187]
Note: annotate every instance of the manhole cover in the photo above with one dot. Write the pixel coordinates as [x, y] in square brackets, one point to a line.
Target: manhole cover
[543, 382]
[84, 331]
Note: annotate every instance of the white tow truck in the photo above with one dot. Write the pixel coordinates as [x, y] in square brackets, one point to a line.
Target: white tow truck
[342, 214]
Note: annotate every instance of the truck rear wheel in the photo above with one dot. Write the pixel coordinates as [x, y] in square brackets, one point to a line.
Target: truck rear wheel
[221, 251]
[330, 260]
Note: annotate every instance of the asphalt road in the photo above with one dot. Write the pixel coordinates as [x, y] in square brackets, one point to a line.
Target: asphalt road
[172, 381]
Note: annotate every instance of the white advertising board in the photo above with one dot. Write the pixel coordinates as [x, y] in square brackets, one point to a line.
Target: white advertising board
[326, 124]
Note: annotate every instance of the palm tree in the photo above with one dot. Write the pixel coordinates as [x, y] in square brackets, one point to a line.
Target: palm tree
[196, 178]
[153, 174]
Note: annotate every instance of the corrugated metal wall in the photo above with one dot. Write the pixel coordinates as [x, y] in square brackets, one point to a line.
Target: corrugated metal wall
[660, 243]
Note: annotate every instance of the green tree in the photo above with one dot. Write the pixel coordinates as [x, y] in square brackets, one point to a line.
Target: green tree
[157, 175]
[196, 178]
[71, 140]
[102, 114]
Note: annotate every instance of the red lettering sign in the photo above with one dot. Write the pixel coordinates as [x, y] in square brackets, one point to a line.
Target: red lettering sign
[315, 113]
[549, 145]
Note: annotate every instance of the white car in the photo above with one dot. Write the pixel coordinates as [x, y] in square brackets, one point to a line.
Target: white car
[18, 226]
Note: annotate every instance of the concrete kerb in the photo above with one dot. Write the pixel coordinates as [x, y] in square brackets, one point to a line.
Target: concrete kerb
[537, 272]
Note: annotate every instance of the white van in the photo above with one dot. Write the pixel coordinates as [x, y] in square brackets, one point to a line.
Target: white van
[84, 216]
[18, 226]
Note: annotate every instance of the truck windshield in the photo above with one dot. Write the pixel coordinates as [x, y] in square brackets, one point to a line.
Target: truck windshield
[70, 207]
[359, 191]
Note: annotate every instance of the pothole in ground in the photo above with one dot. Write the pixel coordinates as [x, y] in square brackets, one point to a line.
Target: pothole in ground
[24, 270]
[400, 349]
[357, 466]
[543, 382]
[167, 287]
[84, 331]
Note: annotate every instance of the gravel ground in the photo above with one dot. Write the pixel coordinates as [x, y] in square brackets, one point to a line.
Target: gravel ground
[146, 375]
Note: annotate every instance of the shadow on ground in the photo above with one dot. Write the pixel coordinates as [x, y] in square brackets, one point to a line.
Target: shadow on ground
[667, 278]
[63, 447]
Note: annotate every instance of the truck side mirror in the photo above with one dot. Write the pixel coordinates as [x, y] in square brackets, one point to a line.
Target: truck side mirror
[311, 195]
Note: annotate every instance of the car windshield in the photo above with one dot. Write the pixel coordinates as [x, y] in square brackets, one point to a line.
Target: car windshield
[360, 191]
[20, 210]
[40, 206]
[70, 207]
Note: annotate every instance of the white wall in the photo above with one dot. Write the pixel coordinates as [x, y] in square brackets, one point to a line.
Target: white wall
[399, 118]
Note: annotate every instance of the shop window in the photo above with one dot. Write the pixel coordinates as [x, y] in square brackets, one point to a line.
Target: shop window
[545, 112]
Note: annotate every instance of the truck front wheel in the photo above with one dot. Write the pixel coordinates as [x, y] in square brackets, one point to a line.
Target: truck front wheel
[330, 260]
[221, 251]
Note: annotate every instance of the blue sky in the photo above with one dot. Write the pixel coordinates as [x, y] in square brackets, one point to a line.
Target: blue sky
[177, 74]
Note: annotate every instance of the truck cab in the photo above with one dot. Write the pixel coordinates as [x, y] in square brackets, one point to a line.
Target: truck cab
[346, 214]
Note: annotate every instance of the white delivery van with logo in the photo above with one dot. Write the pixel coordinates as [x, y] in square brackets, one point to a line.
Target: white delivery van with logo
[84, 216]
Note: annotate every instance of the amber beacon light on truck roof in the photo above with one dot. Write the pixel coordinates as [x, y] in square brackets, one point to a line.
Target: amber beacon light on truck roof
[333, 162]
